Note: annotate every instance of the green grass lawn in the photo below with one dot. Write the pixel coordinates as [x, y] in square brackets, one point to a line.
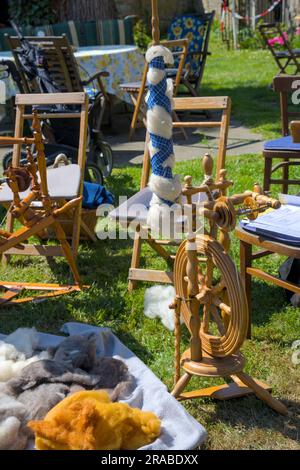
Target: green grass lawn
[238, 424]
[246, 76]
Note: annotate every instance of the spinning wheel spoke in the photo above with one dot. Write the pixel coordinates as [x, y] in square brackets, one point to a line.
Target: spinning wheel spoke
[206, 319]
[209, 272]
[219, 287]
[222, 305]
[218, 320]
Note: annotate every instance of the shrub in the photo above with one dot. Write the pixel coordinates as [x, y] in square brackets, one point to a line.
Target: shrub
[33, 13]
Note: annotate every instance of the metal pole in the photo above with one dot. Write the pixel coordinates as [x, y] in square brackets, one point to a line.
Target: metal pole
[253, 13]
[234, 26]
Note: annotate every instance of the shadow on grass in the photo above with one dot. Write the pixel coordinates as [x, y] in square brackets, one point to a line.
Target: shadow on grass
[249, 413]
[254, 105]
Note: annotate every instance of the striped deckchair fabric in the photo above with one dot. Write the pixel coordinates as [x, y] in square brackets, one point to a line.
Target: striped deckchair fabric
[81, 33]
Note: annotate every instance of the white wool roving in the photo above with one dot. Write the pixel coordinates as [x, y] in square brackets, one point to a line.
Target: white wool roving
[166, 187]
[13, 361]
[25, 340]
[156, 304]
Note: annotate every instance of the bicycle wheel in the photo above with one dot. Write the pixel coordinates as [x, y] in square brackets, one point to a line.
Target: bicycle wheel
[93, 174]
[103, 157]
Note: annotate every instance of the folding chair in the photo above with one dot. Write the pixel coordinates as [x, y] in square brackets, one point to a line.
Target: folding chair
[136, 208]
[137, 90]
[28, 190]
[196, 28]
[64, 183]
[286, 57]
[283, 149]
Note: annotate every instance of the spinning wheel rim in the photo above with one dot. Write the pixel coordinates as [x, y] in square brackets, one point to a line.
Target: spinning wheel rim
[231, 341]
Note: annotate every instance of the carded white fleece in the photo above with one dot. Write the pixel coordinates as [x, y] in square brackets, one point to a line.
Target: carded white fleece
[164, 188]
[162, 219]
[160, 51]
[156, 304]
[159, 122]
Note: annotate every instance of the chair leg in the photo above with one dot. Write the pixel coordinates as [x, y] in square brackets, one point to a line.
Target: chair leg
[267, 173]
[246, 262]
[285, 171]
[136, 256]
[137, 105]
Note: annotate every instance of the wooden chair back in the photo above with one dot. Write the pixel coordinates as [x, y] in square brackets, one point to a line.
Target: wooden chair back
[221, 104]
[286, 85]
[196, 56]
[60, 58]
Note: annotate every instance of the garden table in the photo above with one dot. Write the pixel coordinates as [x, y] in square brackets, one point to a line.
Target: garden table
[124, 64]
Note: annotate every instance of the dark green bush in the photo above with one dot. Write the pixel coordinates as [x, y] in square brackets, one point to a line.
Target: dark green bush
[33, 13]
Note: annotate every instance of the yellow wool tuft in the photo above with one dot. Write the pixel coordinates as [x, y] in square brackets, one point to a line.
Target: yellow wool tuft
[88, 420]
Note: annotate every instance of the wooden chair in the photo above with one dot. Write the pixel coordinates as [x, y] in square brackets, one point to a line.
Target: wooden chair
[287, 57]
[137, 90]
[284, 149]
[28, 191]
[64, 184]
[63, 69]
[125, 214]
[197, 29]
[265, 248]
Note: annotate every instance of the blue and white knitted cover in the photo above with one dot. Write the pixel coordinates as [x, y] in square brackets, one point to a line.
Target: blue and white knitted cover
[166, 188]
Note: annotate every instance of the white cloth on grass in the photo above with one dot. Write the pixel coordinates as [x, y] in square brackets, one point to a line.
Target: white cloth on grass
[180, 431]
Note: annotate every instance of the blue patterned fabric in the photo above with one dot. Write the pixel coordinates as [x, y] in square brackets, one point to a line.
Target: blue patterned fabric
[284, 143]
[158, 97]
[193, 28]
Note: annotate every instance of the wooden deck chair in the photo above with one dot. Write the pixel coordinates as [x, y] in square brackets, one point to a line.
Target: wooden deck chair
[137, 90]
[27, 189]
[64, 183]
[63, 69]
[126, 213]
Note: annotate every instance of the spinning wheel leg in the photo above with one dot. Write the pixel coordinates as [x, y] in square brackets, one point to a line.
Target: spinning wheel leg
[181, 384]
[262, 394]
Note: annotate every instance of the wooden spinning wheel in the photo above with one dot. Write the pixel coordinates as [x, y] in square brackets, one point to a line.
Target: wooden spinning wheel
[210, 295]
[222, 302]
[36, 211]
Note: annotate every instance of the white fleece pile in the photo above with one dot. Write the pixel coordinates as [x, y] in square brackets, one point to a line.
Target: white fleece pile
[16, 352]
[156, 304]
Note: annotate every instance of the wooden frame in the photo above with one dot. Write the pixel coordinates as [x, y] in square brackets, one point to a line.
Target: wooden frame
[137, 91]
[22, 102]
[282, 84]
[288, 58]
[266, 248]
[36, 219]
[222, 104]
